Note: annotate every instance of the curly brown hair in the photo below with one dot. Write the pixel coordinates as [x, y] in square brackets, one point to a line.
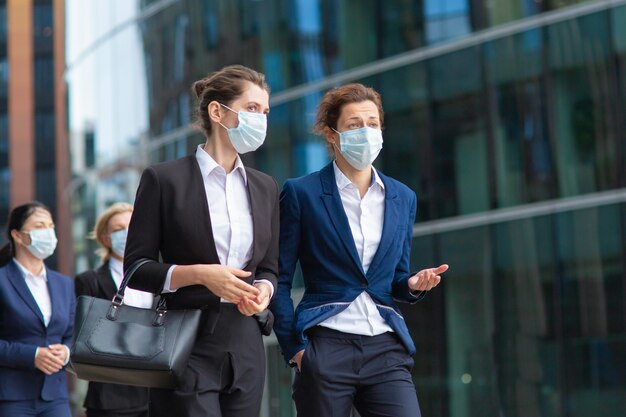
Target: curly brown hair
[332, 103]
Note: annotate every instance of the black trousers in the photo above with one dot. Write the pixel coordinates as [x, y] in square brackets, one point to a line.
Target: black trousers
[112, 413]
[340, 371]
[224, 376]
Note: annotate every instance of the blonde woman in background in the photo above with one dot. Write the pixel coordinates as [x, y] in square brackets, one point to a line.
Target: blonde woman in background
[112, 400]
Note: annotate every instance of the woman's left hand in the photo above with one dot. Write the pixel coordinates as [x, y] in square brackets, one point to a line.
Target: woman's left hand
[252, 306]
[427, 279]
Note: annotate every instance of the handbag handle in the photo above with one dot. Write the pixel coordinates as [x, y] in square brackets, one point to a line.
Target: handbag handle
[118, 299]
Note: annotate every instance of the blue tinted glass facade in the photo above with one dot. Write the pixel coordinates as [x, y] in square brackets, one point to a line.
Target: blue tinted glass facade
[44, 120]
[44, 88]
[507, 118]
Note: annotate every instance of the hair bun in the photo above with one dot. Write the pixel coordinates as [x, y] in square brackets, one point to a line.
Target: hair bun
[199, 87]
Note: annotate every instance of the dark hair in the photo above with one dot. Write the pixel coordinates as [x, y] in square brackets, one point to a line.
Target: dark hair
[333, 101]
[17, 218]
[223, 86]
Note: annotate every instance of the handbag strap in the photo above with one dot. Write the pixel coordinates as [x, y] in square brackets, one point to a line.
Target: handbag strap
[119, 295]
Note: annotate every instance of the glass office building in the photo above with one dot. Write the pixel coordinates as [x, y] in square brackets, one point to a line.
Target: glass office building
[506, 117]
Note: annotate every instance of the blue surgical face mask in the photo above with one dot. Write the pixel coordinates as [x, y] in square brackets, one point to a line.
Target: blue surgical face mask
[249, 133]
[361, 146]
[43, 242]
[118, 242]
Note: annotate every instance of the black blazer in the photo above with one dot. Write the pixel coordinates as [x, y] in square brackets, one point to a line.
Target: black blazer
[100, 284]
[171, 224]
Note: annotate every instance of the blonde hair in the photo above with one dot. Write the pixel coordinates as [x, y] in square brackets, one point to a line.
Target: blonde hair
[101, 228]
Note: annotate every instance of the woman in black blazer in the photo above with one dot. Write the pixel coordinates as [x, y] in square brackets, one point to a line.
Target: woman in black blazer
[110, 230]
[210, 226]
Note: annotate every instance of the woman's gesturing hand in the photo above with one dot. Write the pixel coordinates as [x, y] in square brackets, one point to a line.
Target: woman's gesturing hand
[427, 279]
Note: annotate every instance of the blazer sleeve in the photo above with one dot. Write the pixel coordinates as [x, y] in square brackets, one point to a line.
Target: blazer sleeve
[282, 305]
[86, 284]
[69, 331]
[268, 267]
[144, 236]
[400, 286]
[17, 355]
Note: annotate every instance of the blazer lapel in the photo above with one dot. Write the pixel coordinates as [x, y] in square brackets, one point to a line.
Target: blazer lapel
[390, 224]
[254, 192]
[105, 281]
[56, 297]
[205, 229]
[334, 207]
[19, 283]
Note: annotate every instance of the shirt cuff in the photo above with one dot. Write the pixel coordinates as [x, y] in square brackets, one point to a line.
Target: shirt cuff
[67, 358]
[168, 281]
[268, 283]
[36, 352]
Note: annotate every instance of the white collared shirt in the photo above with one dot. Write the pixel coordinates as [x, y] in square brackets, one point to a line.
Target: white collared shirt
[38, 286]
[366, 218]
[231, 215]
[229, 205]
[132, 297]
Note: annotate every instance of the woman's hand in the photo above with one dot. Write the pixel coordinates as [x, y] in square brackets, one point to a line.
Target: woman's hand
[48, 360]
[427, 279]
[297, 358]
[250, 306]
[226, 282]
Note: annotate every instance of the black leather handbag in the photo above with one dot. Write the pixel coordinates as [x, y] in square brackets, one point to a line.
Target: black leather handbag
[121, 344]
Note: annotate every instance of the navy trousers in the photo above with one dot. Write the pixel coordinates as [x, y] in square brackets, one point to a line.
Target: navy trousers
[341, 371]
[35, 408]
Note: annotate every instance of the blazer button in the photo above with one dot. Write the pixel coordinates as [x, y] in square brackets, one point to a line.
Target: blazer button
[364, 285]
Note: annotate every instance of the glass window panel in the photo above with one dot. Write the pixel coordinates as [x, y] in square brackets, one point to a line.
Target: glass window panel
[407, 135]
[446, 19]
[426, 324]
[523, 158]
[3, 23]
[594, 346]
[583, 105]
[4, 79]
[44, 82]
[402, 26]
[459, 133]
[524, 311]
[503, 11]
[618, 27]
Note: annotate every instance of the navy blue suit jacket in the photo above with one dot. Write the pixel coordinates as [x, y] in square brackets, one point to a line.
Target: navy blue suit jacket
[22, 330]
[315, 231]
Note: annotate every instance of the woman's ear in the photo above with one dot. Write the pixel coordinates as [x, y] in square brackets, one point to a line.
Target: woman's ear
[107, 242]
[17, 237]
[214, 110]
[330, 135]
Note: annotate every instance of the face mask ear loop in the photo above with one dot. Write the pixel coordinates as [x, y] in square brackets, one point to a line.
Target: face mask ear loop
[236, 112]
[334, 142]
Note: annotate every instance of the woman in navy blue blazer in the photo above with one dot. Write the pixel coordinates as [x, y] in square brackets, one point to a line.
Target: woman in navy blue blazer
[36, 319]
[350, 227]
